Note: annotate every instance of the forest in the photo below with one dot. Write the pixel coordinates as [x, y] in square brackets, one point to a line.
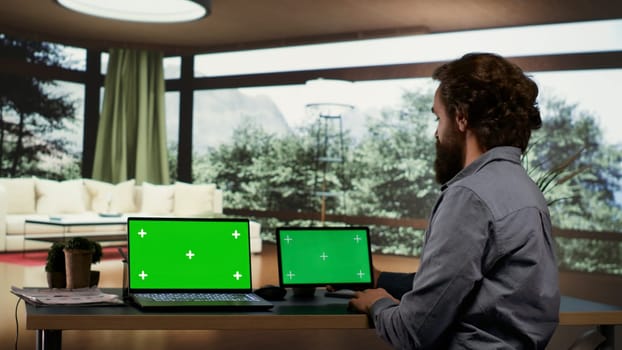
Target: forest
[389, 173]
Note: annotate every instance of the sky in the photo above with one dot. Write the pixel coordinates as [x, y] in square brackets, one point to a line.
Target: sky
[596, 92]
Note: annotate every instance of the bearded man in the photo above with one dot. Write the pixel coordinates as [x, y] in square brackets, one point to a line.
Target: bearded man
[487, 277]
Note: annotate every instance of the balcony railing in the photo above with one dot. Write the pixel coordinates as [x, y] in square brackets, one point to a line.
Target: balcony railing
[419, 224]
[580, 251]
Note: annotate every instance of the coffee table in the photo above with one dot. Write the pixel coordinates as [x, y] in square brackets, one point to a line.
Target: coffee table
[83, 227]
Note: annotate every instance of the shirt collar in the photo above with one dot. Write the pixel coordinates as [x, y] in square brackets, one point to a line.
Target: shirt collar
[506, 153]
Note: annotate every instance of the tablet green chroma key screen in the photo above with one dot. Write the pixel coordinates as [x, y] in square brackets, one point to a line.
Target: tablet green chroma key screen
[324, 256]
[193, 254]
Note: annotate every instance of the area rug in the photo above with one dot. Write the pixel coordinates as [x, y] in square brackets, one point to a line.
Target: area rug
[37, 258]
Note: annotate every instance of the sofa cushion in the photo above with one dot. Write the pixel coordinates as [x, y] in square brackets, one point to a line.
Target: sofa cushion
[109, 198]
[59, 197]
[192, 200]
[157, 199]
[20, 194]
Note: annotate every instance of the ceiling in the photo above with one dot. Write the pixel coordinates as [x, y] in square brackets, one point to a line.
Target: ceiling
[246, 24]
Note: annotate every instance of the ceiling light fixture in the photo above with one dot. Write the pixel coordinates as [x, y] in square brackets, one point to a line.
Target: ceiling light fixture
[154, 11]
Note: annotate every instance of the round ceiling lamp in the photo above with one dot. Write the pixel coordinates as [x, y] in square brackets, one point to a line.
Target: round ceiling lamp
[154, 11]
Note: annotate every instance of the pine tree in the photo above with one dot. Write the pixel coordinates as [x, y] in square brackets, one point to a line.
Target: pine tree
[29, 111]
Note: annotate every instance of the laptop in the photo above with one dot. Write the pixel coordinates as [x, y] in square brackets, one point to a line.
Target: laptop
[321, 256]
[191, 263]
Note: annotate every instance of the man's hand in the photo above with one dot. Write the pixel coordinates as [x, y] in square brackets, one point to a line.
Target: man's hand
[363, 301]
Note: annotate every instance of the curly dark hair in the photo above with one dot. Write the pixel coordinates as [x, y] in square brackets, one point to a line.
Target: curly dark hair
[496, 97]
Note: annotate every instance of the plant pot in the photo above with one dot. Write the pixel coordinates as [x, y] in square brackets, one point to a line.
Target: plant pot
[78, 267]
[56, 279]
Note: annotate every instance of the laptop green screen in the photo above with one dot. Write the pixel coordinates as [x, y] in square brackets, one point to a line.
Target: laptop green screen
[174, 254]
[338, 256]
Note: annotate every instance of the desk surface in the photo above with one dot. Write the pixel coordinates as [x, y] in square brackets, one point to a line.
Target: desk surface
[293, 313]
[581, 312]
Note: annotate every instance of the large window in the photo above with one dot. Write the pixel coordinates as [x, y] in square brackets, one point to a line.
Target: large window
[264, 145]
[594, 92]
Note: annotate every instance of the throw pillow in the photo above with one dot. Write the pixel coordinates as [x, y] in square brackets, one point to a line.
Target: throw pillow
[59, 197]
[193, 199]
[20, 195]
[109, 198]
[157, 199]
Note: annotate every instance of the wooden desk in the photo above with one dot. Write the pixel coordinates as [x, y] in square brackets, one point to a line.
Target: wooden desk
[293, 313]
[581, 312]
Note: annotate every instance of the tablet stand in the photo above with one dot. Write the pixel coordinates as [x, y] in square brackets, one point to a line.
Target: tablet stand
[304, 292]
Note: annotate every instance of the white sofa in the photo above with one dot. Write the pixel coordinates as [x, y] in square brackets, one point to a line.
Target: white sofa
[35, 198]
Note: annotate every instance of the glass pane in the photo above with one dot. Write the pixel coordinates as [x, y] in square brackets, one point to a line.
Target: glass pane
[585, 102]
[172, 131]
[286, 148]
[49, 149]
[69, 57]
[582, 120]
[105, 56]
[532, 40]
[75, 57]
[68, 159]
[293, 148]
[594, 91]
[172, 67]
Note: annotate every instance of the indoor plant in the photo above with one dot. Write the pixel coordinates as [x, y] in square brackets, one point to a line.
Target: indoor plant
[55, 266]
[80, 253]
[69, 263]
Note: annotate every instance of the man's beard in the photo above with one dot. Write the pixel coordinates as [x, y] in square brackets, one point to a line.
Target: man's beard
[449, 156]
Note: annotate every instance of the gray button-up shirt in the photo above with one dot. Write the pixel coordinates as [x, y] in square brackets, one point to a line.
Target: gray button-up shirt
[488, 276]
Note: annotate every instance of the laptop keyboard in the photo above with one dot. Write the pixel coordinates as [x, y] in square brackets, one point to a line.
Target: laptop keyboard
[199, 296]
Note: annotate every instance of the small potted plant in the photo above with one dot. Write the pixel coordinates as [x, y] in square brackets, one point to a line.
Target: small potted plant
[55, 266]
[79, 253]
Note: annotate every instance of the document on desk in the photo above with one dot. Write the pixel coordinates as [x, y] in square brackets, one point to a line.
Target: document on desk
[66, 297]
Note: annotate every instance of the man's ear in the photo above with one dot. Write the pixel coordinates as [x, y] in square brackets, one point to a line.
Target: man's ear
[461, 121]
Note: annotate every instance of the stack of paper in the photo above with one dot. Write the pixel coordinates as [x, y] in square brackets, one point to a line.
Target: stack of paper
[77, 297]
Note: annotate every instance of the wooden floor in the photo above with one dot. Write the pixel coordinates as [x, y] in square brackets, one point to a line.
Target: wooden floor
[264, 272]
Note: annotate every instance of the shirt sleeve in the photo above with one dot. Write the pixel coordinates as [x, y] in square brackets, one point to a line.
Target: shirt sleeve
[396, 283]
[450, 267]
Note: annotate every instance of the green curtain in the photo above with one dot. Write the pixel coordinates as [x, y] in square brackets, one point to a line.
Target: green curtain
[131, 137]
